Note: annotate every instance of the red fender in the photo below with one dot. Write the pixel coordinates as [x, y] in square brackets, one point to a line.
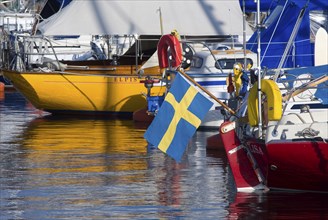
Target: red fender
[231, 87]
[164, 43]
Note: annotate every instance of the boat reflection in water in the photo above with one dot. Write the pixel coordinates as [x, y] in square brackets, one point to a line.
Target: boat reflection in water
[61, 145]
[105, 166]
[279, 205]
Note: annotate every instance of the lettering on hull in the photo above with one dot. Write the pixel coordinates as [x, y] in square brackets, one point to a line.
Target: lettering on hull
[126, 79]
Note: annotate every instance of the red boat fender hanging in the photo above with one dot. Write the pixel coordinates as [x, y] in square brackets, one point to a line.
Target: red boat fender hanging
[2, 87]
[230, 87]
[164, 43]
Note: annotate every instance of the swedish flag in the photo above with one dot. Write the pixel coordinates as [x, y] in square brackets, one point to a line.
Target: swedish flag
[178, 118]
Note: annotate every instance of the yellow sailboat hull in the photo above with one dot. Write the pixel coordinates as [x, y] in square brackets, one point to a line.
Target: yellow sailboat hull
[82, 93]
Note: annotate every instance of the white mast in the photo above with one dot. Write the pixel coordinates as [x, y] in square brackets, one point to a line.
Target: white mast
[259, 93]
[244, 36]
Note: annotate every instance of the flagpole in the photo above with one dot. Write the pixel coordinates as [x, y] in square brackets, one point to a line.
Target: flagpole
[207, 92]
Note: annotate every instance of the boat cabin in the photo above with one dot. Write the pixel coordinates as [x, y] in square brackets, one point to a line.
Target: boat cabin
[219, 61]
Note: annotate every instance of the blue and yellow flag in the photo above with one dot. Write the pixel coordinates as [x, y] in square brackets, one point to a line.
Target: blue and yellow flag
[178, 118]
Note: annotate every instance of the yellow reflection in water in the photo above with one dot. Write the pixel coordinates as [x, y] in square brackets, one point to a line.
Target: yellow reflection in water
[74, 145]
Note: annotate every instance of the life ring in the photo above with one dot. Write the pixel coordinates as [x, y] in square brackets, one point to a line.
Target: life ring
[166, 41]
[274, 101]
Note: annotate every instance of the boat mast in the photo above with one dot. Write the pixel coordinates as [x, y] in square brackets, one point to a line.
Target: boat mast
[259, 93]
[244, 36]
[160, 20]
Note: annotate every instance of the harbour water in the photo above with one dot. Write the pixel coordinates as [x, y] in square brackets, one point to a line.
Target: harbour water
[77, 168]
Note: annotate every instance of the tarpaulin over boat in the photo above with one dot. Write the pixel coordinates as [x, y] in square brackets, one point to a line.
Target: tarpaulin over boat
[279, 27]
[192, 17]
[53, 6]
[266, 5]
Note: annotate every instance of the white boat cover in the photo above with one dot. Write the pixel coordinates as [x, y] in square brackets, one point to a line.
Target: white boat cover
[142, 17]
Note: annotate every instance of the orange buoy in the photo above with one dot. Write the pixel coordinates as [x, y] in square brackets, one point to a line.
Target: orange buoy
[214, 142]
[2, 87]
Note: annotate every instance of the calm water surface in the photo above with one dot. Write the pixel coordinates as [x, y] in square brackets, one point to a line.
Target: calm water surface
[71, 168]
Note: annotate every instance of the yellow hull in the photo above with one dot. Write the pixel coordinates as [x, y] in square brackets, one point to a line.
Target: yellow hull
[82, 92]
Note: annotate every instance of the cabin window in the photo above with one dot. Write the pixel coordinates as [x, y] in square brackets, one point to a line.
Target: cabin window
[197, 62]
[228, 63]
